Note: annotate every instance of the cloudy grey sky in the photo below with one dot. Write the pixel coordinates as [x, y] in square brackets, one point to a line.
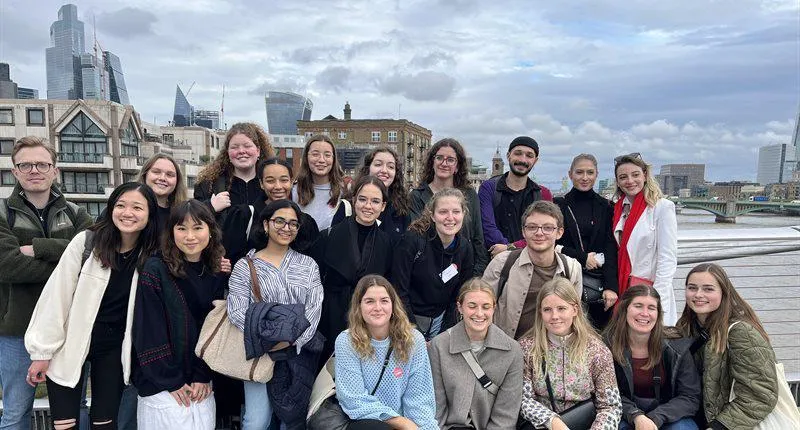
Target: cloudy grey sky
[679, 81]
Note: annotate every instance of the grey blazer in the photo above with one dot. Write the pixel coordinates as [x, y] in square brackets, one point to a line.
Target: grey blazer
[460, 399]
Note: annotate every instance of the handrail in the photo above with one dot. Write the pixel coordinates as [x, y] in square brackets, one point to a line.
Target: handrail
[698, 246]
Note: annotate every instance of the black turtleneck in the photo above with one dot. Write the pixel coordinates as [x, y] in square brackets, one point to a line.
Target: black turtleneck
[582, 206]
[363, 232]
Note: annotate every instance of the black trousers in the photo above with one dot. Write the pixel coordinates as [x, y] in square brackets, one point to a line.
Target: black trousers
[105, 350]
[368, 425]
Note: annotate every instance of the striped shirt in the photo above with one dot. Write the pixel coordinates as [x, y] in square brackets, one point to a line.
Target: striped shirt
[296, 281]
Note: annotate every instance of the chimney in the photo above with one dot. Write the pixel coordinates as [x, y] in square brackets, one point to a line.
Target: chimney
[347, 110]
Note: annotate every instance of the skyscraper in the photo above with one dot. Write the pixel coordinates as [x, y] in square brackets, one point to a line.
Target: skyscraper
[64, 77]
[284, 110]
[775, 163]
[8, 88]
[117, 91]
[184, 112]
[27, 93]
[92, 80]
[207, 118]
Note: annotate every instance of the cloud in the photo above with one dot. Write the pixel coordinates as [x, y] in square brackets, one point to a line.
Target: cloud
[127, 22]
[433, 59]
[334, 78]
[423, 86]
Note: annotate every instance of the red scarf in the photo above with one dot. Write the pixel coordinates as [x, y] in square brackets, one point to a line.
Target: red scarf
[623, 259]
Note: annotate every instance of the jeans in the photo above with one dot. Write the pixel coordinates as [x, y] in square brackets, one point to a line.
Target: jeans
[682, 424]
[257, 410]
[127, 408]
[17, 394]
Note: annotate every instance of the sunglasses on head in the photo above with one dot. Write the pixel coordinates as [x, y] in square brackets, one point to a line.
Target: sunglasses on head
[631, 156]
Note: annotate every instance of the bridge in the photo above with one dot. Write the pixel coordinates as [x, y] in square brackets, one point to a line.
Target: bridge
[727, 211]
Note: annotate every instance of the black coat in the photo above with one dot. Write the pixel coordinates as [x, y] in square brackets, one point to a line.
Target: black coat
[680, 393]
[602, 236]
[394, 224]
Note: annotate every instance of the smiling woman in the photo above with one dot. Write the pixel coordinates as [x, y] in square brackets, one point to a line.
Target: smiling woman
[163, 175]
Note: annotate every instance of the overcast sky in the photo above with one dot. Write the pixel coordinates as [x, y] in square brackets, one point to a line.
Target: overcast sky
[679, 81]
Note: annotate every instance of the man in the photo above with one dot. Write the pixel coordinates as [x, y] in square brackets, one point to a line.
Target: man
[36, 224]
[503, 198]
[527, 269]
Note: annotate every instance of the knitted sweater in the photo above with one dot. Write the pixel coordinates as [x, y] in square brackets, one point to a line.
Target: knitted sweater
[571, 384]
[405, 390]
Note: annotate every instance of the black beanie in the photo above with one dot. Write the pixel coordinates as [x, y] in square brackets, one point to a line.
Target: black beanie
[524, 141]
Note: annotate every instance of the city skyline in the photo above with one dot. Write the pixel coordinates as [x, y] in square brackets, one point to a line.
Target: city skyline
[680, 82]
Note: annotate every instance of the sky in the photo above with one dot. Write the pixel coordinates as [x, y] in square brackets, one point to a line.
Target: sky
[680, 81]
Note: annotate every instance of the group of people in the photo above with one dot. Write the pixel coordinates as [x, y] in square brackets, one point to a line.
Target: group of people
[443, 307]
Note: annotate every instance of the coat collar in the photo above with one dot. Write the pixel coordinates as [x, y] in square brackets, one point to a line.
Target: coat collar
[495, 339]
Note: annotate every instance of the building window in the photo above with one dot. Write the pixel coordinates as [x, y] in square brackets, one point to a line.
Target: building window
[217, 139]
[168, 138]
[392, 136]
[308, 134]
[94, 208]
[6, 146]
[82, 141]
[84, 182]
[35, 116]
[376, 136]
[7, 178]
[190, 181]
[6, 116]
[130, 141]
[290, 156]
[342, 135]
[129, 177]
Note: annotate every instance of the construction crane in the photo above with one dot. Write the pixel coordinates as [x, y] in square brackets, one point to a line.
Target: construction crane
[190, 89]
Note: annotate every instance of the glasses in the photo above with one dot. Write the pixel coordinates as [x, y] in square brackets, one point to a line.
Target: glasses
[447, 161]
[631, 156]
[28, 167]
[546, 229]
[280, 223]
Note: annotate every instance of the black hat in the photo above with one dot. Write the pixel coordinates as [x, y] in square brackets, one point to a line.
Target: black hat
[524, 141]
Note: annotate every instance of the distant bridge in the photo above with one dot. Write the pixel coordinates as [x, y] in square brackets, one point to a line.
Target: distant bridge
[727, 211]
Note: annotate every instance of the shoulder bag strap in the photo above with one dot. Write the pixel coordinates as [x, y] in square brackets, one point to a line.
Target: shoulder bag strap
[383, 370]
[256, 288]
[506, 270]
[577, 228]
[249, 222]
[477, 370]
[549, 387]
[657, 382]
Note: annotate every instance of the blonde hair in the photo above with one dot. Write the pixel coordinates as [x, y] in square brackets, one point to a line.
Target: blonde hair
[476, 285]
[582, 331]
[423, 223]
[652, 192]
[401, 332]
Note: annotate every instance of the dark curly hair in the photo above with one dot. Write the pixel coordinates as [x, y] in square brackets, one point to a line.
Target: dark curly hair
[211, 255]
[460, 177]
[398, 194]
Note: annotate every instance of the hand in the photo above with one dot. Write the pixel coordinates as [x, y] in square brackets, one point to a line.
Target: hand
[225, 265]
[37, 372]
[402, 423]
[182, 395]
[221, 201]
[609, 297]
[280, 345]
[200, 391]
[591, 262]
[641, 422]
[497, 248]
[27, 250]
[557, 424]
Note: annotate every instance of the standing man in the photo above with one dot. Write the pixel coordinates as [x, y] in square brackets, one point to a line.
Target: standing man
[505, 197]
[518, 275]
[36, 224]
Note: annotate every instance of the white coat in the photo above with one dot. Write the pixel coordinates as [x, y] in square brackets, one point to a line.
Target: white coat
[61, 326]
[653, 250]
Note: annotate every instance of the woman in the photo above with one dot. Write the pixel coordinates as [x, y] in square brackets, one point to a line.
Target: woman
[285, 277]
[432, 261]
[384, 163]
[732, 350]
[498, 356]
[85, 312]
[172, 301]
[578, 365]
[657, 378]
[349, 250]
[319, 183]
[646, 230]
[446, 167]
[588, 238]
[163, 175]
[381, 353]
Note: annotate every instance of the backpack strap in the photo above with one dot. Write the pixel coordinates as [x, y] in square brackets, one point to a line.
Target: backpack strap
[501, 282]
[88, 246]
[565, 264]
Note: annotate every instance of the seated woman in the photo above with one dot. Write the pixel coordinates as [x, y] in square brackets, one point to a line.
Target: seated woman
[657, 378]
[566, 363]
[732, 350]
[172, 301]
[432, 261]
[498, 356]
[383, 376]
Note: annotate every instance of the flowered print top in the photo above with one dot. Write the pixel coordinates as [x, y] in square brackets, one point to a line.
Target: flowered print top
[572, 384]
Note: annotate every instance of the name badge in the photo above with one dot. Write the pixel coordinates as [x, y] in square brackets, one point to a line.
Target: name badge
[447, 274]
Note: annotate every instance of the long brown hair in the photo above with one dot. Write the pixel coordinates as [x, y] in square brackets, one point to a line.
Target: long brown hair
[652, 192]
[222, 164]
[423, 223]
[213, 252]
[305, 179]
[401, 333]
[398, 194]
[179, 194]
[732, 308]
[617, 330]
[460, 180]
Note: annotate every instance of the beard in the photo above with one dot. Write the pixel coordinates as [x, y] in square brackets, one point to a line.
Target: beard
[515, 172]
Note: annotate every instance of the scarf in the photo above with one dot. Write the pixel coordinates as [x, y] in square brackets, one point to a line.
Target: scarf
[624, 260]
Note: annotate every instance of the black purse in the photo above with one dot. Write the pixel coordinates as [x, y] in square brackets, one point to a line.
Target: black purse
[578, 417]
[592, 281]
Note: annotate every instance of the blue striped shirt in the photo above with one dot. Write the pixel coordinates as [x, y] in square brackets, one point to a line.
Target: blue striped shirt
[296, 281]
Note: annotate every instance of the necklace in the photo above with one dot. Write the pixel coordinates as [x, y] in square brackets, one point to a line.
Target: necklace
[126, 255]
[203, 270]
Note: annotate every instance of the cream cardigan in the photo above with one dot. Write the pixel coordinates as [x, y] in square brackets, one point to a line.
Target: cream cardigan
[61, 326]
